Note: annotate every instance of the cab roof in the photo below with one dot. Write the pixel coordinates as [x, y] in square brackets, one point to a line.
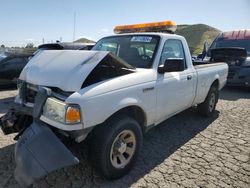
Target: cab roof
[162, 35]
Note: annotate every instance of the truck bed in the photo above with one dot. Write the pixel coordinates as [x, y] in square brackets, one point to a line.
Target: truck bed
[206, 65]
[206, 74]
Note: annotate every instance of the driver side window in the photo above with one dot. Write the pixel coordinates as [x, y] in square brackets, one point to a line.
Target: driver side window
[172, 49]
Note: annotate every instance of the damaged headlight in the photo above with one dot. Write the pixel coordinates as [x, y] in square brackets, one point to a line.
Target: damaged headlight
[59, 111]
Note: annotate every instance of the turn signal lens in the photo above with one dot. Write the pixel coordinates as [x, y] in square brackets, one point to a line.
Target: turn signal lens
[73, 115]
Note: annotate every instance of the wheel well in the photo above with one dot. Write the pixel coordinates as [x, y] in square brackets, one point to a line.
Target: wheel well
[135, 112]
[215, 84]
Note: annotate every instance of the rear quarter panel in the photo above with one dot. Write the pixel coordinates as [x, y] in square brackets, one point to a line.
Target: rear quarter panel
[207, 74]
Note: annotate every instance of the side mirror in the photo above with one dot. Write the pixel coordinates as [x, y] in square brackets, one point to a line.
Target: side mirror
[172, 65]
[205, 49]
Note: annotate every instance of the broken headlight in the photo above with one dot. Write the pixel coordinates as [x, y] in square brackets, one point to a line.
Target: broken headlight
[59, 111]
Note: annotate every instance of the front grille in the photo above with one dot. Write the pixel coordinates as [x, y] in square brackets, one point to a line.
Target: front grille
[28, 92]
[30, 95]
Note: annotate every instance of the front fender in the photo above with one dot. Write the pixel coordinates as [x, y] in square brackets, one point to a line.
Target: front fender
[100, 110]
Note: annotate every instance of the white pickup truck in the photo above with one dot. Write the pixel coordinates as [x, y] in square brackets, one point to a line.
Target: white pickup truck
[110, 96]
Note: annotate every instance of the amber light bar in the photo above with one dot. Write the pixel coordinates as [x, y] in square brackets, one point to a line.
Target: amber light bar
[165, 26]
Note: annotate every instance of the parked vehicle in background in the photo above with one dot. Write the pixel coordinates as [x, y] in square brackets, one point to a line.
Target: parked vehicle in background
[111, 95]
[2, 55]
[66, 46]
[11, 67]
[239, 69]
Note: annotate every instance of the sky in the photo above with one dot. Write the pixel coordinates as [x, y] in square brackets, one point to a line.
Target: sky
[31, 21]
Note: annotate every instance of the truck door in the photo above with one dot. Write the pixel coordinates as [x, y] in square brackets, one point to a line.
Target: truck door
[175, 90]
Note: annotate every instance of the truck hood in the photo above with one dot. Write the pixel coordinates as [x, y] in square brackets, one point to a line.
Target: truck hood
[64, 69]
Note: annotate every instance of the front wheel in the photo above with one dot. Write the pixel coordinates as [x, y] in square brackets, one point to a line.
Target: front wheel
[115, 146]
[207, 108]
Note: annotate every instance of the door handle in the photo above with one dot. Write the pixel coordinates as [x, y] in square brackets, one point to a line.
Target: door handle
[147, 89]
[189, 77]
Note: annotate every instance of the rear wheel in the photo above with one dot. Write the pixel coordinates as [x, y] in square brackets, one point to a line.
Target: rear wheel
[207, 108]
[115, 146]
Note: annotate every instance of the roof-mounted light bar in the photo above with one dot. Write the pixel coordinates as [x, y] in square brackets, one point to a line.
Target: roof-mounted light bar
[165, 26]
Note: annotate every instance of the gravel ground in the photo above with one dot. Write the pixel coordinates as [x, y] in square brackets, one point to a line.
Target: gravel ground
[184, 151]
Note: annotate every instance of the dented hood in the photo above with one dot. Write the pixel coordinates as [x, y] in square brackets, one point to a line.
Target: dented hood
[64, 69]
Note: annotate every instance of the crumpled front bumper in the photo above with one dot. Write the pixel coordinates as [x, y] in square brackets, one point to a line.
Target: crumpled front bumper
[39, 152]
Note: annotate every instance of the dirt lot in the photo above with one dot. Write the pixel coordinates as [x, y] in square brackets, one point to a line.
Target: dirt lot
[184, 151]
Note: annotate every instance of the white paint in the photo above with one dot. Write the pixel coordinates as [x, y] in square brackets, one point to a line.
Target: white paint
[171, 92]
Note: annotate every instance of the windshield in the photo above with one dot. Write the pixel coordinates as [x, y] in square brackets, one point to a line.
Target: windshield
[136, 50]
[222, 43]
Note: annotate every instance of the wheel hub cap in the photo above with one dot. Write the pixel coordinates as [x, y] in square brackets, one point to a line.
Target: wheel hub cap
[212, 102]
[123, 149]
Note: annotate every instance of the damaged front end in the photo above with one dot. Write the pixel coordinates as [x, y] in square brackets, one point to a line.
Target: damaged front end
[14, 122]
[38, 150]
[37, 108]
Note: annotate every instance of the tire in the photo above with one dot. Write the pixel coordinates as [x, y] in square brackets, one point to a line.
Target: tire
[207, 108]
[116, 138]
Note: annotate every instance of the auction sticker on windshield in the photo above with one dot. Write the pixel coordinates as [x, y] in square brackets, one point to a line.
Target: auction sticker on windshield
[141, 39]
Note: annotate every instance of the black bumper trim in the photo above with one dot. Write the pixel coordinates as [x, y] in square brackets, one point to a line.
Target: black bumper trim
[39, 152]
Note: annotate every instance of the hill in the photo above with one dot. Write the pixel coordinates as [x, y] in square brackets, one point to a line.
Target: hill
[84, 40]
[196, 35]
